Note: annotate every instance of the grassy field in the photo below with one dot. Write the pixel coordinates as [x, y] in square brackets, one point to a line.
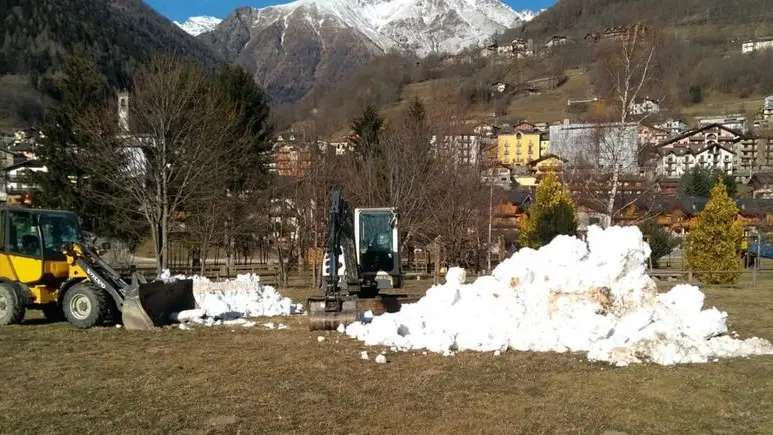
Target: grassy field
[57, 379]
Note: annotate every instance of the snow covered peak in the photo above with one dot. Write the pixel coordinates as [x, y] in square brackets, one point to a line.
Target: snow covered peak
[420, 26]
[195, 26]
[528, 15]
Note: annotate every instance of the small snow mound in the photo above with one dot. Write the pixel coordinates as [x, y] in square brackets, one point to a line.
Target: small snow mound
[341, 328]
[381, 359]
[456, 275]
[320, 339]
[364, 355]
[571, 295]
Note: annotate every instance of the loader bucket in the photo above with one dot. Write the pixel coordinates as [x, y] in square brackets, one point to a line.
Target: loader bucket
[149, 305]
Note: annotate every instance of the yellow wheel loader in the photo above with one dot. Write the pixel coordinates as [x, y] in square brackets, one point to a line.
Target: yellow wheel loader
[45, 265]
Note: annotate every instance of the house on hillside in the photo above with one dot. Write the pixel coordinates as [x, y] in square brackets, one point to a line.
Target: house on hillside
[499, 87]
[651, 135]
[547, 163]
[510, 215]
[588, 144]
[556, 41]
[16, 183]
[644, 107]
[518, 147]
[756, 45]
[753, 155]
[735, 122]
[522, 48]
[767, 109]
[673, 126]
[762, 185]
[498, 175]
[463, 149]
[711, 146]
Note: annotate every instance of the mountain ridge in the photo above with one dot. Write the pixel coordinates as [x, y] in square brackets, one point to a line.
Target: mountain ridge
[293, 47]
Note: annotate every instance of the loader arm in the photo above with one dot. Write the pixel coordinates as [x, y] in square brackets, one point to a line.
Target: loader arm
[142, 305]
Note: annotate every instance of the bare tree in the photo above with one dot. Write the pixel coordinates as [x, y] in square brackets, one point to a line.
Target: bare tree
[614, 148]
[177, 144]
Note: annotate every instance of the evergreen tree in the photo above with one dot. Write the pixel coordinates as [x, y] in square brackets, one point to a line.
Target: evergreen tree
[367, 129]
[699, 181]
[552, 214]
[661, 243]
[713, 246]
[253, 126]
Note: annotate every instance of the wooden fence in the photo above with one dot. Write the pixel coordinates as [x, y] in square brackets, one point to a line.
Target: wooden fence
[269, 273]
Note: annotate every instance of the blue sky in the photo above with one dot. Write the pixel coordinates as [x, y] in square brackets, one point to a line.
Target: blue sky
[180, 10]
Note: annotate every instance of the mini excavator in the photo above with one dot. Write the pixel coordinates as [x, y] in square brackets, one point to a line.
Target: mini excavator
[361, 259]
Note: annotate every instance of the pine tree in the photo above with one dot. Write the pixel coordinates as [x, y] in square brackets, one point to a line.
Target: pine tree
[367, 129]
[552, 214]
[713, 246]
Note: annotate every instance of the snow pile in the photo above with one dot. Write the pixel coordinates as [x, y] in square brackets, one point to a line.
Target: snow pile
[229, 302]
[567, 296]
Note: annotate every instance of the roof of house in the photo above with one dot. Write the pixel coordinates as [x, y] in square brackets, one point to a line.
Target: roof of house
[520, 197]
[25, 164]
[692, 149]
[694, 131]
[546, 157]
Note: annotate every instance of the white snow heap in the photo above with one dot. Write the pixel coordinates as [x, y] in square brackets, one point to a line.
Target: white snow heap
[243, 297]
[593, 297]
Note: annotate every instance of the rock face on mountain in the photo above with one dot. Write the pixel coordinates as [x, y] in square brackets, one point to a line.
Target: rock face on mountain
[292, 47]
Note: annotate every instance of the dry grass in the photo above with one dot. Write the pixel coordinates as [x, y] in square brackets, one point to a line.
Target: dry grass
[229, 380]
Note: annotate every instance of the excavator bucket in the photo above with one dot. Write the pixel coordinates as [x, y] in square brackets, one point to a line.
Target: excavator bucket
[323, 318]
[150, 304]
[352, 310]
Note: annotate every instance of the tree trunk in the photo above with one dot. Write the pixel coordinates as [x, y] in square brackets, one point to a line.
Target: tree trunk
[612, 196]
[165, 238]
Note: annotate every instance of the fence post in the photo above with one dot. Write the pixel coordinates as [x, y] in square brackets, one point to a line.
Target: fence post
[689, 275]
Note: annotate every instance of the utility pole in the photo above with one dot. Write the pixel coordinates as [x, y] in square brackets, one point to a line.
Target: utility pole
[490, 213]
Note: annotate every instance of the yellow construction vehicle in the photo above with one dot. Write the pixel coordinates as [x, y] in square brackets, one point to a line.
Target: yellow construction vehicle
[46, 265]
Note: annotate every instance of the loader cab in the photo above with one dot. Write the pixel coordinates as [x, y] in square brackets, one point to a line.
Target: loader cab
[38, 234]
[377, 242]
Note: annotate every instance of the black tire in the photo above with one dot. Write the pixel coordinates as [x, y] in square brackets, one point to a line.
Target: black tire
[86, 306]
[53, 312]
[12, 307]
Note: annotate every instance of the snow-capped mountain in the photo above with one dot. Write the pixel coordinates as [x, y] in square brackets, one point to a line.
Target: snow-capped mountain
[420, 26]
[197, 25]
[293, 46]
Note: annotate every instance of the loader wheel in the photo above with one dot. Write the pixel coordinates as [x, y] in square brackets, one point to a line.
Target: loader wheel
[85, 306]
[12, 309]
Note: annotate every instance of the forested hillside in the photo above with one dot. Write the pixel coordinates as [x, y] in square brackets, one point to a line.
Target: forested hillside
[741, 18]
[36, 35]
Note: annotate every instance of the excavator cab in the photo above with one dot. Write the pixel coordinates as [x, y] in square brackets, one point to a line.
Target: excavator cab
[45, 265]
[376, 232]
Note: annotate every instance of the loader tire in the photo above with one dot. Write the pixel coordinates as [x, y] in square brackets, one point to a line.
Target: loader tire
[86, 306]
[12, 307]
